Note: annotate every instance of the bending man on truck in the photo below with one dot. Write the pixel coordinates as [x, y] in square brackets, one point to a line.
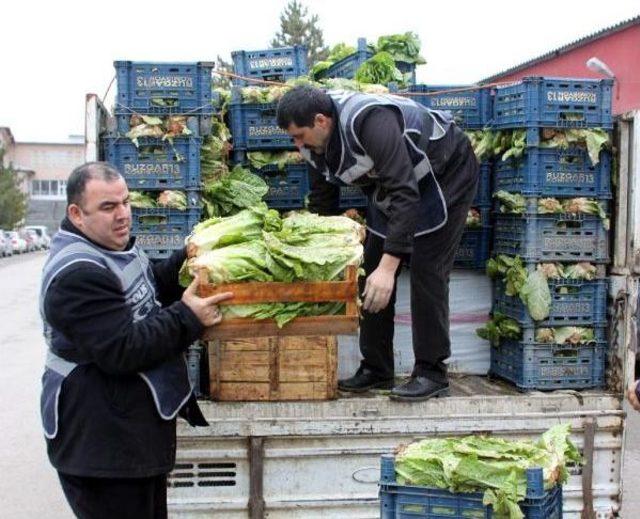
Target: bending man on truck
[420, 176]
[116, 327]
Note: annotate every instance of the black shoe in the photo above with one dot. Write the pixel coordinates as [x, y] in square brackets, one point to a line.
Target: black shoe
[419, 388]
[363, 380]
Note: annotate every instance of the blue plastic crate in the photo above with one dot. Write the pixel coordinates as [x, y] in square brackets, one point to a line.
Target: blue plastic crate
[473, 251]
[531, 365]
[271, 64]
[254, 126]
[574, 302]
[552, 237]
[471, 109]
[156, 164]
[347, 67]
[413, 502]
[163, 88]
[160, 246]
[352, 197]
[288, 188]
[554, 172]
[483, 195]
[161, 220]
[554, 102]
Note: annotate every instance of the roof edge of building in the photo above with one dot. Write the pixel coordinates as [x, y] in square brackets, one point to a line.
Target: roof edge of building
[565, 48]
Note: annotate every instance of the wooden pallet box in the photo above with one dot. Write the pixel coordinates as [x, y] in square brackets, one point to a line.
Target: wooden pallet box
[273, 368]
[345, 291]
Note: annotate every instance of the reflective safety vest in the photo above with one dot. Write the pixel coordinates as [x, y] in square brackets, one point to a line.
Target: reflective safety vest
[168, 383]
[419, 126]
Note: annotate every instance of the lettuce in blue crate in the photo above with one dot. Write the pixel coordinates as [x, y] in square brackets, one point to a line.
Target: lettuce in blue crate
[141, 200]
[280, 159]
[379, 69]
[165, 128]
[593, 139]
[488, 464]
[402, 47]
[581, 205]
[337, 52]
[532, 288]
[482, 143]
[572, 335]
[582, 270]
[214, 153]
[238, 189]
[499, 327]
[173, 200]
[511, 203]
[536, 296]
[515, 203]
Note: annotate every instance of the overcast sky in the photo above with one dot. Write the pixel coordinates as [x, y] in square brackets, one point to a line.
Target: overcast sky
[56, 52]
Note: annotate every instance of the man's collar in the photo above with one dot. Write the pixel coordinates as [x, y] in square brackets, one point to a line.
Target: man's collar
[67, 225]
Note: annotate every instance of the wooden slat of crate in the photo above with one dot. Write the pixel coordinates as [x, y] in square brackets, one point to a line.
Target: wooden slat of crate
[310, 292]
[273, 368]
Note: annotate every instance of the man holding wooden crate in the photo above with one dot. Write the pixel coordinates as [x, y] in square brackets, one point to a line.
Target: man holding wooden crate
[420, 175]
[116, 328]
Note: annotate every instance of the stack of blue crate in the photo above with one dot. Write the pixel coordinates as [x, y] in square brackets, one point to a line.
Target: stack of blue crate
[254, 127]
[536, 105]
[154, 164]
[472, 109]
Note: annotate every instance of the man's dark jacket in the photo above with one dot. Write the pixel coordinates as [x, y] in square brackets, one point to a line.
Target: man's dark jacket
[108, 423]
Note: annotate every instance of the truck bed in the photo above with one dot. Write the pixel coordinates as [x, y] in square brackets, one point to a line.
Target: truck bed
[273, 459]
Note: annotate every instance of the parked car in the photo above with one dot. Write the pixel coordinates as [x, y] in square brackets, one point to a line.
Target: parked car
[18, 244]
[5, 245]
[32, 245]
[43, 235]
[37, 240]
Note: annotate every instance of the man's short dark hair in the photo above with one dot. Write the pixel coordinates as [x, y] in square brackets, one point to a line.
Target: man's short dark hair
[301, 104]
[77, 182]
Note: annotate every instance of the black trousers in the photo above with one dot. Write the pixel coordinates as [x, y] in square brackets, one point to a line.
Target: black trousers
[108, 498]
[430, 265]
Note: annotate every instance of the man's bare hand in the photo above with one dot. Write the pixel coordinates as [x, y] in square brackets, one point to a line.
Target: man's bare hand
[379, 285]
[205, 308]
[632, 397]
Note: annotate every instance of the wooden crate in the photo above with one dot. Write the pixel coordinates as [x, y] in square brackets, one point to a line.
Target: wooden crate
[274, 368]
[272, 292]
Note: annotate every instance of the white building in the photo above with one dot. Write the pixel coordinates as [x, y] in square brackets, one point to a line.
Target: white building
[44, 168]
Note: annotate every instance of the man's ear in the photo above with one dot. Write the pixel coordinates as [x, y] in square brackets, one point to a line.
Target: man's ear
[75, 215]
[322, 121]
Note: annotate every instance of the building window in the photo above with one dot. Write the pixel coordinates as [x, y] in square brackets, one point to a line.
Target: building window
[51, 189]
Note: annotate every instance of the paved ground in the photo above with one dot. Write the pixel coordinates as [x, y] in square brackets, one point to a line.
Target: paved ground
[28, 486]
